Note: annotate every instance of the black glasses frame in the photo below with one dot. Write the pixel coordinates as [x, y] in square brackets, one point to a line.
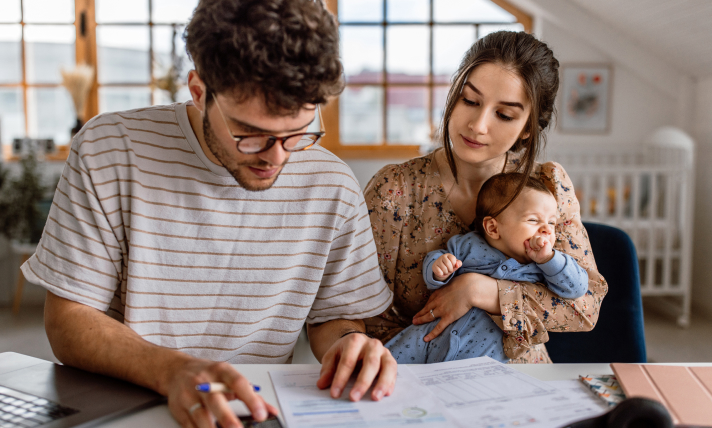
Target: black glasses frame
[271, 139]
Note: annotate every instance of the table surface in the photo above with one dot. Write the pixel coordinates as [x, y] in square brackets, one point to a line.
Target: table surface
[159, 416]
[258, 374]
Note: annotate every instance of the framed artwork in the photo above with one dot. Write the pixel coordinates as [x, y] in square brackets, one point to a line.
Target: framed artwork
[585, 99]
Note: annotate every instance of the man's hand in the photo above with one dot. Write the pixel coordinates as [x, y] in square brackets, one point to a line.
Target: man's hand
[86, 338]
[197, 409]
[539, 249]
[445, 266]
[344, 357]
[341, 356]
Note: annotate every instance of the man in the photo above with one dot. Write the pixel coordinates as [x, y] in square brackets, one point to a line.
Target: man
[210, 231]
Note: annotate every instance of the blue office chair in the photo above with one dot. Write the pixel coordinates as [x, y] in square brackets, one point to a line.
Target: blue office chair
[618, 336]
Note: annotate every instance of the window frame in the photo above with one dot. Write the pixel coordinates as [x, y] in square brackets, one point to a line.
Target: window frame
[332, 139]
[86, 52]
[86, 12]
[24, 86]
[85, 46]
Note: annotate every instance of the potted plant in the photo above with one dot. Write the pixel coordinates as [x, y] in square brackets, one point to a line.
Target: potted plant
[21, 203]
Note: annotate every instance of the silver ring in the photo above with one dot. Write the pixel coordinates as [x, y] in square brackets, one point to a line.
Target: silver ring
[431, 313]
[194, 407]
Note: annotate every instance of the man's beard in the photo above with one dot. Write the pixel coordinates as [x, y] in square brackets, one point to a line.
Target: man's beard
[233, 167]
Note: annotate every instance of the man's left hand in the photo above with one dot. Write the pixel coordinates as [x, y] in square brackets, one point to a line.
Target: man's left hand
[345, 356]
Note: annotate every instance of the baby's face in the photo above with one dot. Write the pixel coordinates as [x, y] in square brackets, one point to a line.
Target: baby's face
[532, 213]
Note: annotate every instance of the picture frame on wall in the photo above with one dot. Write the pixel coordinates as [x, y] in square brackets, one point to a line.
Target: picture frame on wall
[585, 98]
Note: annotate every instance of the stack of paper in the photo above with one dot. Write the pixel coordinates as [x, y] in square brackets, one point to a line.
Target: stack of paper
[478, 392]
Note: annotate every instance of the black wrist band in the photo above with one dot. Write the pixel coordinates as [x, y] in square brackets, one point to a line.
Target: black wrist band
[356, 331]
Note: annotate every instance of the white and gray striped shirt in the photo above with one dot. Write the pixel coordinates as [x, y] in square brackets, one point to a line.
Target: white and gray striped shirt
[145, 227]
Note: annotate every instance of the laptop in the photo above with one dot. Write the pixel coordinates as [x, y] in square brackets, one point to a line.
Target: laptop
[38, 393]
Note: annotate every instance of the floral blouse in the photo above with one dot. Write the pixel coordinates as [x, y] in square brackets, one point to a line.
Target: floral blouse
[411, 216]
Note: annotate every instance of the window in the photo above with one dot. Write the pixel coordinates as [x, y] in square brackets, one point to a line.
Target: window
[398, 58]
[138, 43]
[132, 45]
[37, 40]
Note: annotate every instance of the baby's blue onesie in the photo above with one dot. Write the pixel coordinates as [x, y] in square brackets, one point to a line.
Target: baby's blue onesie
[475, 334]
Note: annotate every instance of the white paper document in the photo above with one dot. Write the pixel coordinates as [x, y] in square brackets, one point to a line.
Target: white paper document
[306, 406]
[477, 393]
[483, 393]
[575, 401]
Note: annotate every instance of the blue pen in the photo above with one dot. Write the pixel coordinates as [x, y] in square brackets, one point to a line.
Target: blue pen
[218, 387]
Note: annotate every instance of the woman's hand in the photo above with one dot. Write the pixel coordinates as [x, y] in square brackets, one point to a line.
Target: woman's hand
[456, 299]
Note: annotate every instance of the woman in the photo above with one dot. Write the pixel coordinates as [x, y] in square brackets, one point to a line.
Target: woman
[500, 104]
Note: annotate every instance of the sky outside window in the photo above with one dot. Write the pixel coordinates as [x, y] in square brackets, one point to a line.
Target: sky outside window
[10, 54]
[46, 11]
[360, 10]
[10, 11]
[469, 11]
[123, 11]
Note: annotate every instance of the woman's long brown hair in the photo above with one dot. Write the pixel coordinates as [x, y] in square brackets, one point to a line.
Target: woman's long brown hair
[534, 63]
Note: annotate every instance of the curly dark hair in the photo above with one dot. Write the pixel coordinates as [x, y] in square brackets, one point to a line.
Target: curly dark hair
[286, 51]
[499, 191]
[534, 62]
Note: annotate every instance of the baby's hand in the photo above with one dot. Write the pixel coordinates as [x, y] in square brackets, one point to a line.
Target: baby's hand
[444, 266]
[539, 249]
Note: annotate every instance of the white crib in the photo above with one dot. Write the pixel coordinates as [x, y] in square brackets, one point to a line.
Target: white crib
[647, 191]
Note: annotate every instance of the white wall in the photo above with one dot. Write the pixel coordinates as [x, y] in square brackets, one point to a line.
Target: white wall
[637, 107]
[701, 266]
[647, 93]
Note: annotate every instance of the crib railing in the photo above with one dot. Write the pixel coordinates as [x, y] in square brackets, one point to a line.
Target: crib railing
[647, 192]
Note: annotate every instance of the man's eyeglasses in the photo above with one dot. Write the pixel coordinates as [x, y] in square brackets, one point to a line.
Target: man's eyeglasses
[258, 143]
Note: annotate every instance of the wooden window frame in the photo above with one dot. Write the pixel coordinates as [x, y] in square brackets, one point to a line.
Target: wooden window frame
[331, 140]
[62, 151]
[86, 53]
[86, 49]
[92, 47]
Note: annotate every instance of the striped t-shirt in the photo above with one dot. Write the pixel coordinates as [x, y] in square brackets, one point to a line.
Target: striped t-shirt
[145, 227]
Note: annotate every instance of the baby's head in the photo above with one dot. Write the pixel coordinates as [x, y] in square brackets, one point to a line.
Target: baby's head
[506, 227]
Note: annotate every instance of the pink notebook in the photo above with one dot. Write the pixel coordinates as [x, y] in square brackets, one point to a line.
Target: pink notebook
[684, 390]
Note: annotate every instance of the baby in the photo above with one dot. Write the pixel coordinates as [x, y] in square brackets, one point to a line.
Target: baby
[513, 242]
